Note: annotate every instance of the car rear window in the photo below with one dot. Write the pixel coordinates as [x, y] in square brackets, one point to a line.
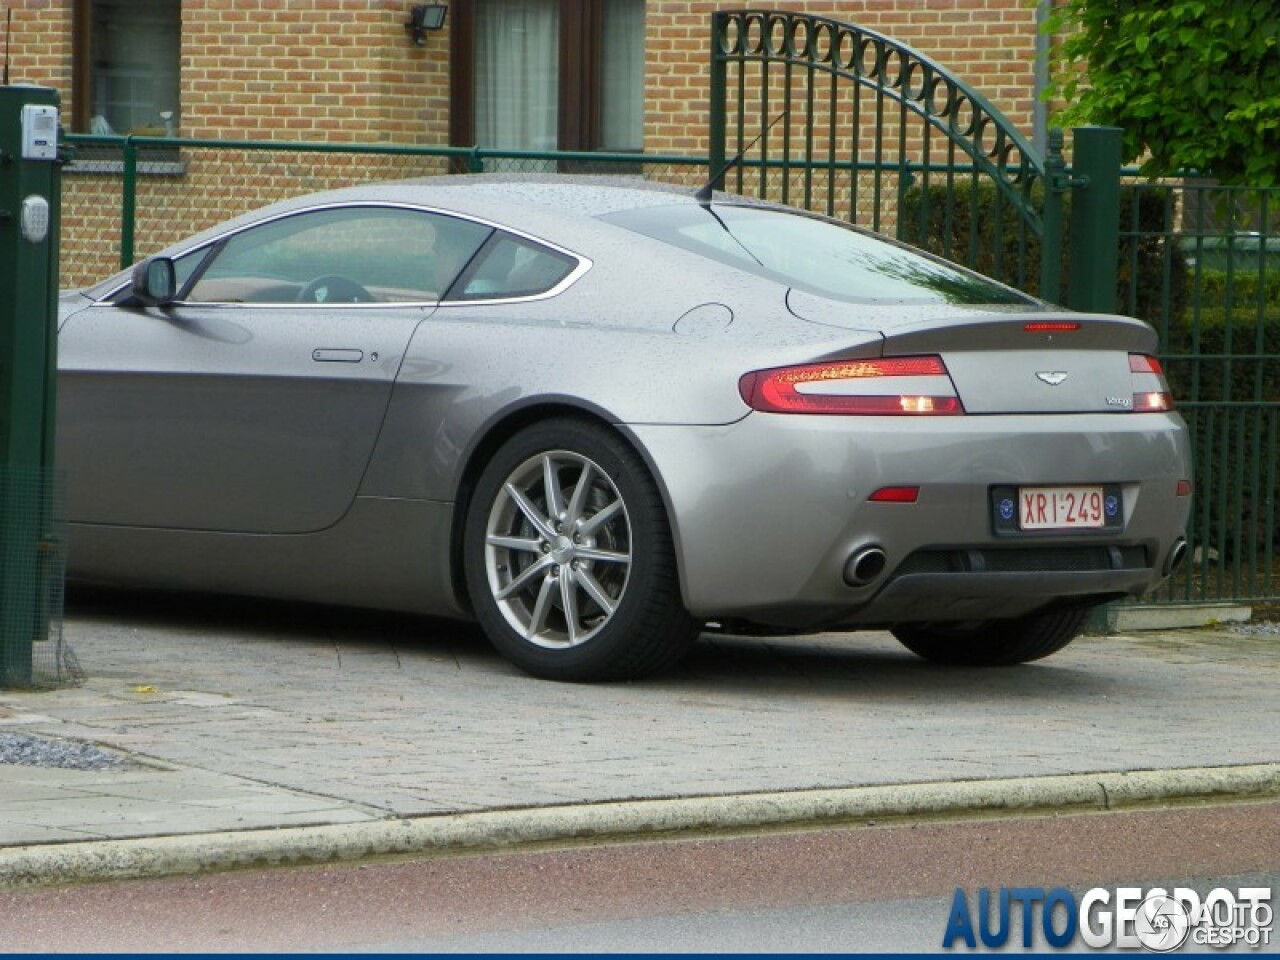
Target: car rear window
[508, 267]
[814, 254]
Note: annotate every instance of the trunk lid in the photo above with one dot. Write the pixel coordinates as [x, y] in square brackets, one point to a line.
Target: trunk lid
[1008, 359]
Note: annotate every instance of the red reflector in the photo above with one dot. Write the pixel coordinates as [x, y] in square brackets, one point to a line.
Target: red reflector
[1141, 363]
[1051, 327]
[1185, 488]
[895, 495]
[778, 391]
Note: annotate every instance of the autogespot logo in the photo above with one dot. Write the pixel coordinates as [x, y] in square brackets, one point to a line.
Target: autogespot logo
[1155, 920]
[1162, 923]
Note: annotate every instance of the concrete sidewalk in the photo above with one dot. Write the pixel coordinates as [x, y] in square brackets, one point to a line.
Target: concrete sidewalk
[259, 733]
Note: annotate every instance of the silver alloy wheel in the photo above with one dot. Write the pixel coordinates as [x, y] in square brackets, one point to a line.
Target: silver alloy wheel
[558, 549]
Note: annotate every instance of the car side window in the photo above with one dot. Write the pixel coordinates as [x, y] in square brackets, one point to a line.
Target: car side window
[511, 266]
[338, 255]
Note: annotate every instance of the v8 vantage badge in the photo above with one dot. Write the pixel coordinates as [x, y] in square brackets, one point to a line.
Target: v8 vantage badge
[1126, 918]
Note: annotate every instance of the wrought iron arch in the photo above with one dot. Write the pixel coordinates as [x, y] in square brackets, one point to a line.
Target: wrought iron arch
[874, 132]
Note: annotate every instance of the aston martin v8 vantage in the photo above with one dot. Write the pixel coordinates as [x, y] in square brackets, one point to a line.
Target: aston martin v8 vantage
[600, 417]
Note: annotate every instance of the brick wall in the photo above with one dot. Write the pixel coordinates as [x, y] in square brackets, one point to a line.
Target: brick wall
[334, 70]
[988, 43]
[40, 44]
[339, 70]
[345, 70]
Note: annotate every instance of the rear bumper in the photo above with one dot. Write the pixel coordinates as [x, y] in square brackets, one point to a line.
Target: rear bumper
[767, 512]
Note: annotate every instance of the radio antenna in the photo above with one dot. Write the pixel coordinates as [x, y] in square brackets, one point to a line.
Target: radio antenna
[8, 29]
[703, 196]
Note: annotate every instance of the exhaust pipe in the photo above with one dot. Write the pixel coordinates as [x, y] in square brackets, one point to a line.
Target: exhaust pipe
[1177, 554]
[865, 565]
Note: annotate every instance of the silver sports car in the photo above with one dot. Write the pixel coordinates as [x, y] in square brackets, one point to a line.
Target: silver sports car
[601, 416]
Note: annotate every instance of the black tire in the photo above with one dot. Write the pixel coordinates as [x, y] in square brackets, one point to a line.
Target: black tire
[994, 643]
[583, 588]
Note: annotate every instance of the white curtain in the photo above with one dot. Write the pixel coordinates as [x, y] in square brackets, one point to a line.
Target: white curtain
[622, 76]
[517, 62]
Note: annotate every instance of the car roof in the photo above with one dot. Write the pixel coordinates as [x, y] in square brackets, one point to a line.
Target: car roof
[503, 195]
[543, 204]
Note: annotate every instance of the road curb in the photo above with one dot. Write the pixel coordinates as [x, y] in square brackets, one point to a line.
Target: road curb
[1121, 618]
[49, 864]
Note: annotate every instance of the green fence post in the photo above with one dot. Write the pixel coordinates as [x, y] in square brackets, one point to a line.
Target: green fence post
[716, 120]
[128, 202]
[29, 207]
[1095, 249]
[1095, 219]
[1055, 184]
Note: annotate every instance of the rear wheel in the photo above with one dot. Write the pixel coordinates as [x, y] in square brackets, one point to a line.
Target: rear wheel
[569, 560]
[994, 643]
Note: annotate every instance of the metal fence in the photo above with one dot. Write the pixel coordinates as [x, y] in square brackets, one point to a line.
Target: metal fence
[1199, 262]
[1203, 265]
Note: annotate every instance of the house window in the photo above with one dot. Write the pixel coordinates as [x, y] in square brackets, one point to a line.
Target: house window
[549, 74]
[126, 55]
[517, 74]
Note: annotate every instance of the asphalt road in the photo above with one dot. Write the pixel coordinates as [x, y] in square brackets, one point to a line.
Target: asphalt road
[871, 887]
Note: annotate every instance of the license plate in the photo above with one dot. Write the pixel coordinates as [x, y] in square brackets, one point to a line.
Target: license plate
[1062, 508]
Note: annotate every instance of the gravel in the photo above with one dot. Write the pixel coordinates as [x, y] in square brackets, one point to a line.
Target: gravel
[1258, 628]
[32, 751]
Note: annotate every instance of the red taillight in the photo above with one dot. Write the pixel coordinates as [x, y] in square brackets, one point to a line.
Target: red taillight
[1057, 326]
[855, 369]
[895, 495]
[1151, 390]
[1141, 363]
[855, 387]
[1185, 488]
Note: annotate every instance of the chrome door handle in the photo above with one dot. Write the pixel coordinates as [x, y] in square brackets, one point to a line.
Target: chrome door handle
[337, 356]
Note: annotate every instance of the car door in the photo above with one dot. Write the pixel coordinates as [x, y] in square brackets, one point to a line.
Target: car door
[252, 404]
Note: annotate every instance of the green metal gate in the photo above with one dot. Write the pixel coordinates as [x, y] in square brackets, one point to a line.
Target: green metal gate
[829, 116]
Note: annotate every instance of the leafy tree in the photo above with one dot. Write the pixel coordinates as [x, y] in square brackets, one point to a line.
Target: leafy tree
[1195, 84]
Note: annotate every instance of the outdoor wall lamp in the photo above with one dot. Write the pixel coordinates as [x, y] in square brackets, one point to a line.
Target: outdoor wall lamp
[424, 17]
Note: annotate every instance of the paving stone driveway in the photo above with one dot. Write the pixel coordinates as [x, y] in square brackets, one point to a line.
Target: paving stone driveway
[249, 714]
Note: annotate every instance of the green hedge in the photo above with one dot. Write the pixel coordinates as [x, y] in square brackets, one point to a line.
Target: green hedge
[1213, 286]
[965, 223]
[1205, 334]
[1235, 508]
